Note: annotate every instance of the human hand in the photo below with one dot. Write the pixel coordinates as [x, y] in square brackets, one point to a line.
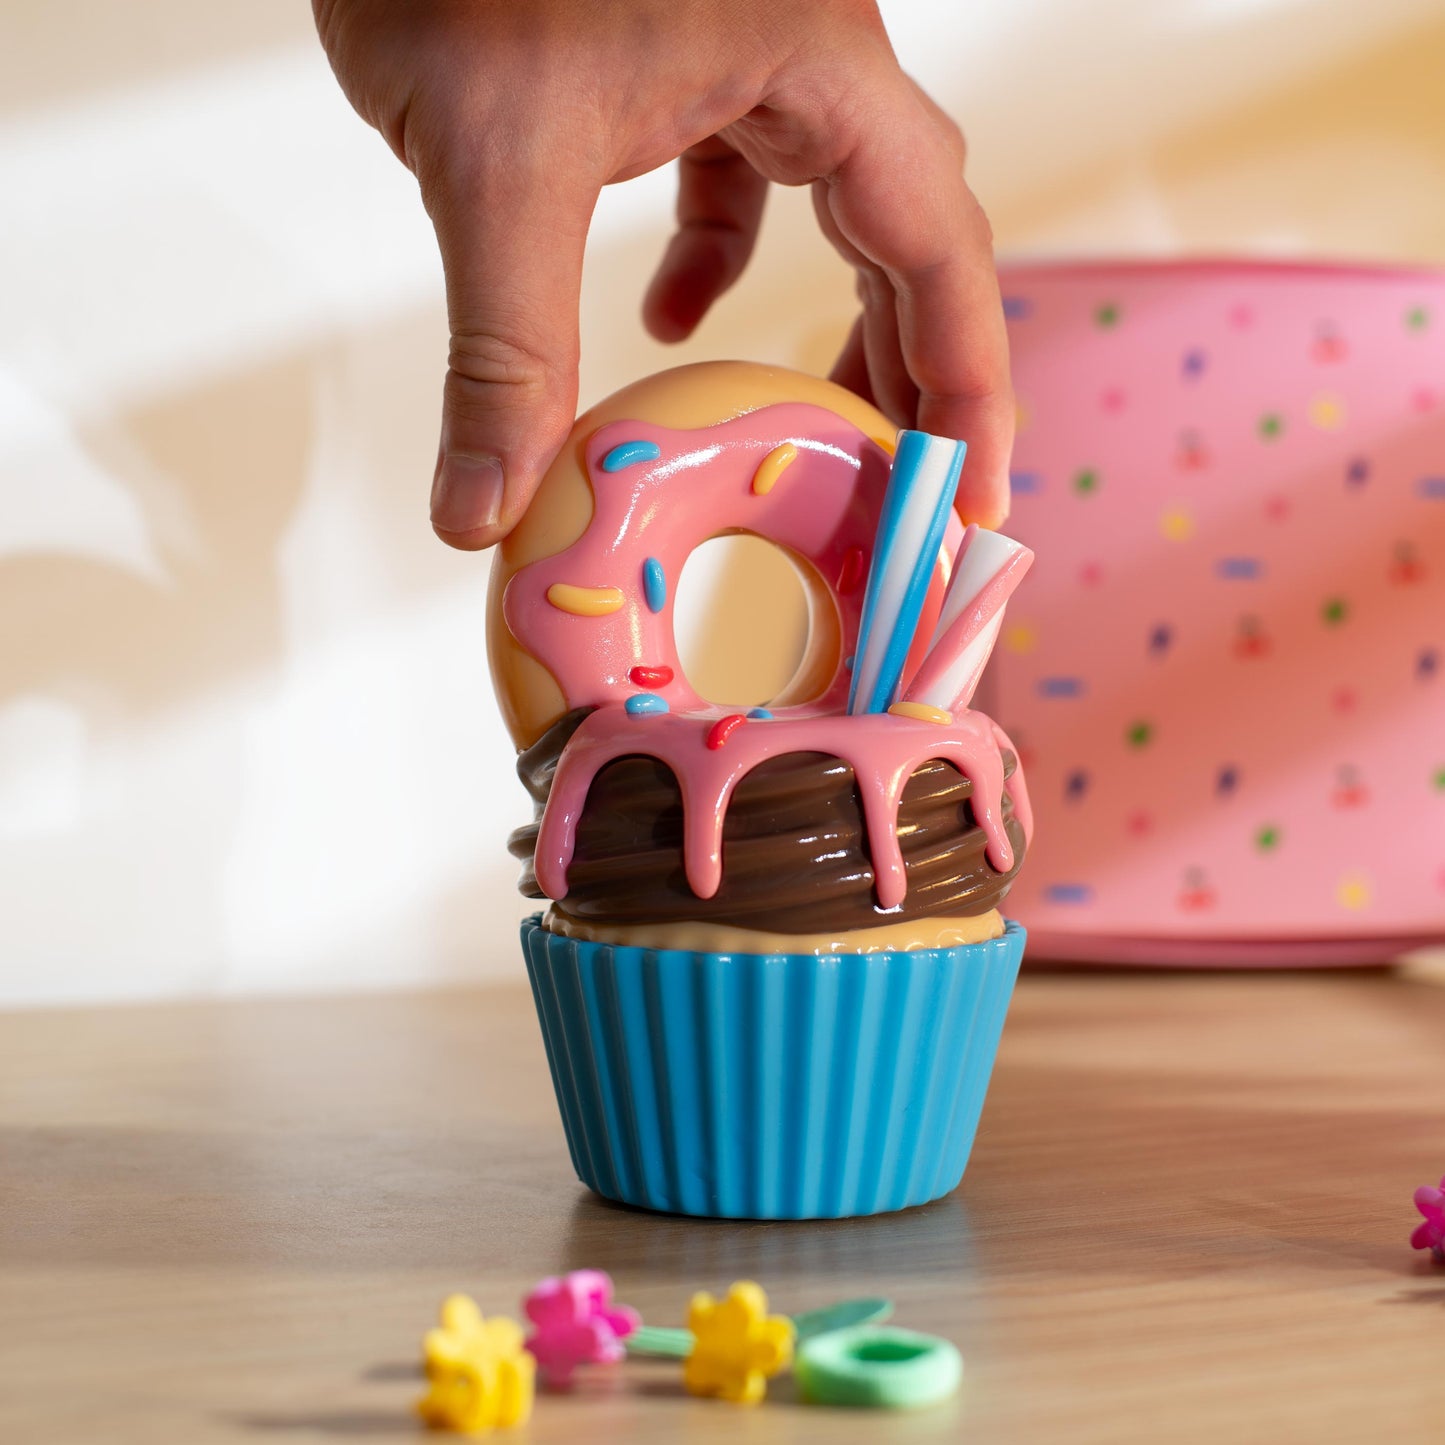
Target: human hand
[513, 116]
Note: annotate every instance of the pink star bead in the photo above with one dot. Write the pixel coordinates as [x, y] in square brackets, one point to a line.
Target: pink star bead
[1431, 1234]
[576, 1323]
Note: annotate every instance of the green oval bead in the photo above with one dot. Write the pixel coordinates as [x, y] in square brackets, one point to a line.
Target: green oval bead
[877, 1366]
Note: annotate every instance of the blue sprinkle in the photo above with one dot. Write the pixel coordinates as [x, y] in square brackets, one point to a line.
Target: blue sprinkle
[1076, 784]
[1061, 686]
[1017, 308]
[1069, 893]
[642, 704]
[1194, 362]
[1240, 569]
[1161, 638]
[848, 663]
[627, 453]
[1358, 473]
[1026, 484]
[1427, 664]
[761, 713]
[654, 583]
[1432, 487]
[1227, 781]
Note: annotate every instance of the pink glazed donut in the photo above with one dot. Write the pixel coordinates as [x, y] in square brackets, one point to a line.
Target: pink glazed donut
[582, 593]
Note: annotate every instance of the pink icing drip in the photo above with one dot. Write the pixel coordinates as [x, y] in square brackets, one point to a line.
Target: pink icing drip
[1016, 787]
[882, 750]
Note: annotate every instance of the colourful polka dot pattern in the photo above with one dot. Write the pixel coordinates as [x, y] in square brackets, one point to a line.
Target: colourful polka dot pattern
[1140, 734]
[1327, 412]
[1252, 608]
[1177, 524]
[1020, 637]
[1354, 892]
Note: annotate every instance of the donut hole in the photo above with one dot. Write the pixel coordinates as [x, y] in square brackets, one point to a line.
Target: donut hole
[754, 623]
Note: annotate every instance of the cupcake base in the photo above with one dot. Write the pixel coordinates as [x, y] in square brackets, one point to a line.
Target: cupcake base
[770, 1086]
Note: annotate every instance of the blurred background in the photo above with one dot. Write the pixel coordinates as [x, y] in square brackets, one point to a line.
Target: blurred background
[247, 736]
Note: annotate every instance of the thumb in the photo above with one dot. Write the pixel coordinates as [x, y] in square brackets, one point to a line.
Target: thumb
[511, 237]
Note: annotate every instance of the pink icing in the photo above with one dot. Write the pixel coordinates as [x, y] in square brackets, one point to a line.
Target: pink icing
[824, 507]
[882, 750]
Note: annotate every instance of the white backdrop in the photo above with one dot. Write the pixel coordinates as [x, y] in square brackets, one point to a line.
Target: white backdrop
[247, 740]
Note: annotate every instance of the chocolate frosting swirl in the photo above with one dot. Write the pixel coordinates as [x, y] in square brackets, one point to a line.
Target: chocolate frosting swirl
[795, 853]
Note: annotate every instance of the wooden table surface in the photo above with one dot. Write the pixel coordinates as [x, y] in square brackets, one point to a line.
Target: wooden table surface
[1186, 1219]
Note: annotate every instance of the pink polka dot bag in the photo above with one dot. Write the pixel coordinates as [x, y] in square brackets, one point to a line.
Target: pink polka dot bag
[1227, 673]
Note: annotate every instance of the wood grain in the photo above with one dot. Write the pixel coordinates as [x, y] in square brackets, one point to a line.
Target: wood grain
[1186, 1219]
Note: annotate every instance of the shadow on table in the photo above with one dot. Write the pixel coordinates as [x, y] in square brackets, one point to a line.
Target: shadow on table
[916, 1243]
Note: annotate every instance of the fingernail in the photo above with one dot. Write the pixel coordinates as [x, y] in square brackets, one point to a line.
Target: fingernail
[467, 493]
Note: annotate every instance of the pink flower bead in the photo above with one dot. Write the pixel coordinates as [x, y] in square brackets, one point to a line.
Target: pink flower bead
[1431, 1234]
[576, 1323]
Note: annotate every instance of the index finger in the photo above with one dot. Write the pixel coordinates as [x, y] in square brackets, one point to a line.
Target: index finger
[899, 197]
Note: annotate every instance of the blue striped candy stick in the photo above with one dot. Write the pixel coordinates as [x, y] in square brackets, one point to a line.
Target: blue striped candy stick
[920, 492]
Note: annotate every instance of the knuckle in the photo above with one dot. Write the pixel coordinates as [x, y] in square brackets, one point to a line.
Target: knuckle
[489, 372]
[490, 359]
[987, 395]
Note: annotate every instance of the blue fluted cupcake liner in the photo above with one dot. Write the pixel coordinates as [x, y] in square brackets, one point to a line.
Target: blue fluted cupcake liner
[770, 1086]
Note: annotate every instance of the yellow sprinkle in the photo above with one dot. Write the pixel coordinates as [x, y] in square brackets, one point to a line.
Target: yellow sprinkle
[772, 466]
[584, 601]
[922, 711]
[889, 444]
[1176, 524]
[1327, 412]
[1023, 416]
[1354, 892]
[1020, 637]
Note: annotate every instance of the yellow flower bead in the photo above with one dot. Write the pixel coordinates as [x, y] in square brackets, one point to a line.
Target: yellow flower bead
[479, 1375]
[737, 1345]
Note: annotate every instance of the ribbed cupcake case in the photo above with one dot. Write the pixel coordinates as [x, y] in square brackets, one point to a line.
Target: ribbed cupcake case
[770, 1086]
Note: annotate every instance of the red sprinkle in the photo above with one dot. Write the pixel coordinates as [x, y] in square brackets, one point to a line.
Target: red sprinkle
[850, 574]
[724, 728]
[650, 676]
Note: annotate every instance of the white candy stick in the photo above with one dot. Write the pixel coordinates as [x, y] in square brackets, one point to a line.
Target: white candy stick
[915, 512]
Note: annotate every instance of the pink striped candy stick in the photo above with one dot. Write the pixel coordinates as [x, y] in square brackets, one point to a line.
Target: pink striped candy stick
[987, 569]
